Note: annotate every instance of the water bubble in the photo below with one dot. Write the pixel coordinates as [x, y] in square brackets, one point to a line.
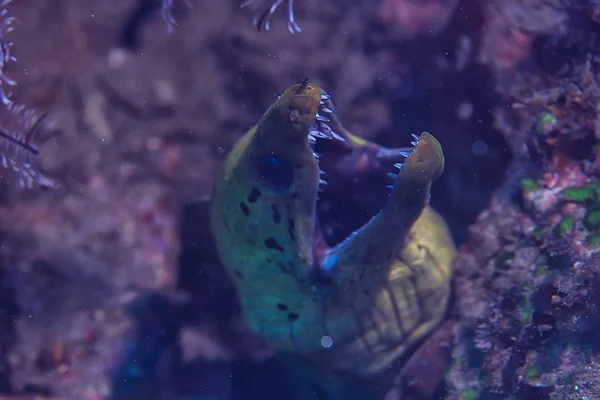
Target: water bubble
[326, 342]
[479, 148]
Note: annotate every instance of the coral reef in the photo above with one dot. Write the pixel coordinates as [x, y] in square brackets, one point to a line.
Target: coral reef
[531, 265]
[110, 284]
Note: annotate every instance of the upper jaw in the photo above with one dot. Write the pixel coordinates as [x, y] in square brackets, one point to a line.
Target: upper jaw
[326, 124]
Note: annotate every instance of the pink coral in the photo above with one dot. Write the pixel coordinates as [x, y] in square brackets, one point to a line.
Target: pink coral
[414, 18]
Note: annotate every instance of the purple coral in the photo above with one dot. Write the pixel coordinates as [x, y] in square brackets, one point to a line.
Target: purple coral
[6, 27]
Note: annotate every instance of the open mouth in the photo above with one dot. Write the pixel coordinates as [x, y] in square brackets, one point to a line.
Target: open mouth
[355, 179]
[326, 134]
[323, 128]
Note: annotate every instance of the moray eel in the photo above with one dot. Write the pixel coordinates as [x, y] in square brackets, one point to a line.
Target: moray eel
[360, 305]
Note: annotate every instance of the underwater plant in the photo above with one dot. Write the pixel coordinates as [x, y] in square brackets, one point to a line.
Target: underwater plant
[22, 130]
[167, 15]
[263, 18]
[6, 27]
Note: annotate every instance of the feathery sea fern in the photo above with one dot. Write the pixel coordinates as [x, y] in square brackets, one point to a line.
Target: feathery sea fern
[21, 129]
[21, 132]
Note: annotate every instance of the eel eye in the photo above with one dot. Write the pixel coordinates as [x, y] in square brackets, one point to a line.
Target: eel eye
[294, 114]
[275, 172]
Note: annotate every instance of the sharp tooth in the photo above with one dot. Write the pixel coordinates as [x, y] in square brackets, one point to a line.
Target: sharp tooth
[319, 134]
[398, 165]
[389, 186]
[415, 136]
[322, 182]
[321, 102]
[338, 137]
[321, 172]
[325, 128]
[413, 143]
[317, 155]
[312, 139]
[393, 176]
[404, 153]
[322, 118]
[324, 96]
[326, 110]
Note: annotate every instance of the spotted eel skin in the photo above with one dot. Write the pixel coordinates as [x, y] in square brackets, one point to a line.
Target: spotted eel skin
[373, 296]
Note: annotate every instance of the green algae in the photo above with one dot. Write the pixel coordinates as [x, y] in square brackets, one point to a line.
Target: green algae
[577, 194]
[530, 185]
[592, 220]
[469, 394]
[593, 239]
[591, 191]
[541, 270]
[532, 373]
[565, 226]
[546, 124]
[526, 310]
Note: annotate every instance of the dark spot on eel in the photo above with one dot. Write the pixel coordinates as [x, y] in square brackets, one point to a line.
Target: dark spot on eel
[244, 208]
[282, 307]
[292, 229]
[271, 243]
[292, 317]
[254, 195]
[276, 214]
[284, 269]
